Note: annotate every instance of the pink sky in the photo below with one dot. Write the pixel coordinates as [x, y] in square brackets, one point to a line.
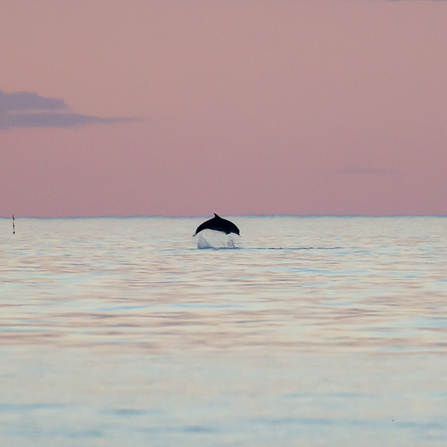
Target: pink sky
[245, 107]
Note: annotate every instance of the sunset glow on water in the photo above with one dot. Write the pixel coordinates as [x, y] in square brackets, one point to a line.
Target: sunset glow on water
[311, 331]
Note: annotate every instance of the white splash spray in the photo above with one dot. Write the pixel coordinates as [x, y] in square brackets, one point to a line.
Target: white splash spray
[215, 240]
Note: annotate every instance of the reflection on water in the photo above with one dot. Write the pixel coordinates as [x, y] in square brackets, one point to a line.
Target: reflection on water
[315, 331]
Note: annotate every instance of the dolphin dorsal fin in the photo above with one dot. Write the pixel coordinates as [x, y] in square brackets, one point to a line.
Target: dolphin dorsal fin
[215, 215]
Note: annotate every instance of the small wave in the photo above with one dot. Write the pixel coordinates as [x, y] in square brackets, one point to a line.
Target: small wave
[294, 248]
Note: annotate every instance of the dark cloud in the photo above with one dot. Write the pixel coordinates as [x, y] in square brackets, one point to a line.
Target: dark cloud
[15, 107]
[54, 120]
[370, 171]
[29, 101]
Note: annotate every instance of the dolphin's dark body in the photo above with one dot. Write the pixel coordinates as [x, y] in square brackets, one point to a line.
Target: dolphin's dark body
[218, 224]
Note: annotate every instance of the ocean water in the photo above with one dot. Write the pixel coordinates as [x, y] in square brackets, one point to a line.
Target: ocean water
[318, 331]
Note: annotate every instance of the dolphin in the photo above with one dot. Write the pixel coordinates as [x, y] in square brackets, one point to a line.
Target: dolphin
[218, 224]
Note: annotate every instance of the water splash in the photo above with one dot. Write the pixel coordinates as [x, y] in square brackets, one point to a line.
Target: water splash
[215, 240]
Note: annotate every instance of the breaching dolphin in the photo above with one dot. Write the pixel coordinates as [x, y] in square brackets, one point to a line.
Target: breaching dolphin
[218, 224]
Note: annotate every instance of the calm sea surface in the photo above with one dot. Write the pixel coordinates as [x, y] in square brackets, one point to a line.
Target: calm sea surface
[311, 332]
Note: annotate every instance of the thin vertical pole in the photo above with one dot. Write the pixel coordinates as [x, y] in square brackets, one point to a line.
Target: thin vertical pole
[13, 225]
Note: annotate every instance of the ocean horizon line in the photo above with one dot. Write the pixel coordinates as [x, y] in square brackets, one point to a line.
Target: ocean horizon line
[160, 216]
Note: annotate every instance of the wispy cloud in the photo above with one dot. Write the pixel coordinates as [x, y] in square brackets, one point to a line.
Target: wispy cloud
[27, 109]
[365, 171]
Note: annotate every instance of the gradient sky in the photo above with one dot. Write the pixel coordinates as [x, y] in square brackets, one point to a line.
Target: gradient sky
[184, 108]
